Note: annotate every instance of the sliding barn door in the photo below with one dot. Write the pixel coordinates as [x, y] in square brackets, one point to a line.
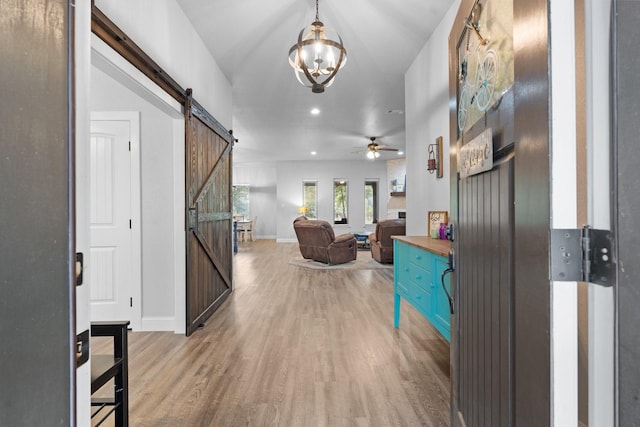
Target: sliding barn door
[208, 215]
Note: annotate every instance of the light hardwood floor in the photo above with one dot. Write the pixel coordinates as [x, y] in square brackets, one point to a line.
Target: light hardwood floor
[294, 347]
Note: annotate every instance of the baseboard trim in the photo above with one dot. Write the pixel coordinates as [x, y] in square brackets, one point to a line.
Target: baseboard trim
[158, 324]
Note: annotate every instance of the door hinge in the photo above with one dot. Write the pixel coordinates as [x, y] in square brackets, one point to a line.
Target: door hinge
[130, 301]
[129, 145]
[129, 224]
[582, 255]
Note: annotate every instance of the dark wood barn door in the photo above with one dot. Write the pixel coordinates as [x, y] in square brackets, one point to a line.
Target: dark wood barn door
[208, 215]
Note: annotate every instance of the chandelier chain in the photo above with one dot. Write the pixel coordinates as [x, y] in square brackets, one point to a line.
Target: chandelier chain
[317, 13]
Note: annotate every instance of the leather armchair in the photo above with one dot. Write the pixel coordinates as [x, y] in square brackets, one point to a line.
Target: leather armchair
[381, 242]
[318, 242]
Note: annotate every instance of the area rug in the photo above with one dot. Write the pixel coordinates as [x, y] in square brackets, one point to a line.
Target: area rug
[363, 262]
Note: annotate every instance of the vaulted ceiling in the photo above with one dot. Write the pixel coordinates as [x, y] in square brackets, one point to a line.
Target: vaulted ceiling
[250, 40]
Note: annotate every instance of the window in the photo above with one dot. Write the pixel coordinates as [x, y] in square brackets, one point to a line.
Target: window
[371, 201]
[310, 198]
[340, 201]
[240, 194]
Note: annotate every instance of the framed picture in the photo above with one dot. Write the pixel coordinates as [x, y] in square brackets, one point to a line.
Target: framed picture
[434, 218]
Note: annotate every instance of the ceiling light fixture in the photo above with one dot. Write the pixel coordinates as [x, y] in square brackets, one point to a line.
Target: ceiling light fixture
[316, 57]
[373, 149]
[315, 111]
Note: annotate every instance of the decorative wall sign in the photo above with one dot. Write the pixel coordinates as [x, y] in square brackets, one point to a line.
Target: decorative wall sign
[476, 156]
[485, 59]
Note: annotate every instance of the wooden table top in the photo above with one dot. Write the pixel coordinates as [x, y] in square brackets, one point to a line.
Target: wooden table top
[436, 246]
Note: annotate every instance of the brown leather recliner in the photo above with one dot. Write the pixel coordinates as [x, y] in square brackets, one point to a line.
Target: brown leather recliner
[381, 242]
[318, 242]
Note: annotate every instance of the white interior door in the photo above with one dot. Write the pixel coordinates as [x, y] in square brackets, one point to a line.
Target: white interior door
[114, 262]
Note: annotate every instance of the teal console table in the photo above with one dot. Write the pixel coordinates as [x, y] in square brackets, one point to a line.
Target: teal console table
[418, 263]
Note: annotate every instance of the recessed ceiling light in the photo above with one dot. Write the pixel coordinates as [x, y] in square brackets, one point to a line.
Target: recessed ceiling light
[315, 111]
[400, 153]
[313, 153]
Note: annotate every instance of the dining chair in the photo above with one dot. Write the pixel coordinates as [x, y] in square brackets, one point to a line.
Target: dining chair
[252, 226]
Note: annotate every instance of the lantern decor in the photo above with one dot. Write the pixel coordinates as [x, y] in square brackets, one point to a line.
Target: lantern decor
[316, 58]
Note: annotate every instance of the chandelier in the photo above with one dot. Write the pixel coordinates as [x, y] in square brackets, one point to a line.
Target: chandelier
[316, 58]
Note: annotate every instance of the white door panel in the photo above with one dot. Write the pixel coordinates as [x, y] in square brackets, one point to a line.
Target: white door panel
[110, 214]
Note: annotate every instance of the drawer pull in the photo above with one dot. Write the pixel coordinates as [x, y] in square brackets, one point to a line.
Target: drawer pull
[418, 276]
[418, 257]
[418, 296]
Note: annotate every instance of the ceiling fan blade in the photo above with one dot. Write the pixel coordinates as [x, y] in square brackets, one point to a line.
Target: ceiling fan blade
[386, 149]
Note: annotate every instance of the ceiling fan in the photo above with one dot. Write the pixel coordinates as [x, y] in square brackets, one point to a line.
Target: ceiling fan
[373, 149]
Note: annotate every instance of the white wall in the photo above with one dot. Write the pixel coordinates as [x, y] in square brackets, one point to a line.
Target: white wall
[427, 117]
[290, 176]
[262, 180]
[162, 30]
[157, 178]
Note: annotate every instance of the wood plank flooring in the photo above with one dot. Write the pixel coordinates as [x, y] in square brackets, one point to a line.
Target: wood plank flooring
[294, 347]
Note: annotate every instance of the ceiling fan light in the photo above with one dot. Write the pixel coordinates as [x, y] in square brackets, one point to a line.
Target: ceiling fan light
[371, 155]
[313, 57]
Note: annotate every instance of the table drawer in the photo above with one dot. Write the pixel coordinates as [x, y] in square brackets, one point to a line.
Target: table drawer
[410, 273]
[417, 296]
[419, 257]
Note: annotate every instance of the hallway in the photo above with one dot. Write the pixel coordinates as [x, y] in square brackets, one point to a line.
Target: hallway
[294, 347]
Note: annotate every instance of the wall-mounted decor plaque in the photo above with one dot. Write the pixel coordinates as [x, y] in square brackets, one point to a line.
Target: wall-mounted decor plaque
[476, 156]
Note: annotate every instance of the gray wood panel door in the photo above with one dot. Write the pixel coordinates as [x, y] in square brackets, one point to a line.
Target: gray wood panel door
[208, 213]
[37, 232]
[626, 104]
[500, 348]
[485, 297]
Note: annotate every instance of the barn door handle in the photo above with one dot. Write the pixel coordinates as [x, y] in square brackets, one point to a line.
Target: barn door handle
[194, 222]
[197, 217]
